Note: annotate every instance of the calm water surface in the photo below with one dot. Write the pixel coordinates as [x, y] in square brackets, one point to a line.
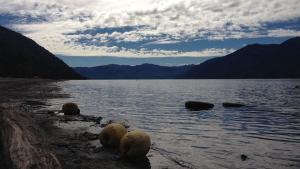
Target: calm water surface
[267, 130]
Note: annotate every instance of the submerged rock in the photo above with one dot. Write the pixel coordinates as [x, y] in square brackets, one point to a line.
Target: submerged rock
[112, 134]
[135, 145]
[70, 109]
[244, 157]
[196, 105]
[50, 112]
[297, 87]
[227, 104]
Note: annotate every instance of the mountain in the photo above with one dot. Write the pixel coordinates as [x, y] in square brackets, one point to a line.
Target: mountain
[92, 61]
[22, 57]
[144, 71]
[253, 61]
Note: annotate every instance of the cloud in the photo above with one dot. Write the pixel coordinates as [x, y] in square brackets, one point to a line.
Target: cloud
[283, 33]
[61, 25]
[125, 52]
[162, 41]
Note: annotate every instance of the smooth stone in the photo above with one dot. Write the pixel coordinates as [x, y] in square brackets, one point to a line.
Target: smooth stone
[226, 104]
[196, 105]
[135, 145]
[112, 134]
[70, 109]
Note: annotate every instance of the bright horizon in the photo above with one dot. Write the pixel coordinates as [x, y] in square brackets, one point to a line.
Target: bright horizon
[151, 28]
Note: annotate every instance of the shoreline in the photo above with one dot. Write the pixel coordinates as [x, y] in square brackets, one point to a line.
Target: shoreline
[68, 139]
[23, 144]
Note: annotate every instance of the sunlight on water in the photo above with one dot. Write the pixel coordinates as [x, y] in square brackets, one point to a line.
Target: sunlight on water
[266, 130]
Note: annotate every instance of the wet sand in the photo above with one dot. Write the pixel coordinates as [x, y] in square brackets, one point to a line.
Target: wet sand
[73, 140]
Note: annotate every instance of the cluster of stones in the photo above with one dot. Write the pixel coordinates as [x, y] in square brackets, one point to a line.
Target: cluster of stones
[133, 145]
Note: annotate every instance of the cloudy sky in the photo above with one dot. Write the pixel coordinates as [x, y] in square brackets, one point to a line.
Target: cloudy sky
[151, 28]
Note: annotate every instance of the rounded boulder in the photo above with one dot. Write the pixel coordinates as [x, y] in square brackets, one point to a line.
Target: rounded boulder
[112, 134]
[70, 109]
[135, 145]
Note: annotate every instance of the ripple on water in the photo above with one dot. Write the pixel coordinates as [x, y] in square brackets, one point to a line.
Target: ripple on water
[266, 130]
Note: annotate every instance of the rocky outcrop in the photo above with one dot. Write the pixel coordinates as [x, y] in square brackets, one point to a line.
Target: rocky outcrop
[196, 105]
[21, 143]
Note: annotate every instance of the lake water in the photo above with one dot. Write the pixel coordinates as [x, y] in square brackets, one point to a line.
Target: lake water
[267, 130]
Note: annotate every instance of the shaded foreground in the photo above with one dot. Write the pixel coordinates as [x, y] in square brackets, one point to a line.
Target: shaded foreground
[21, 141]
[34, 137]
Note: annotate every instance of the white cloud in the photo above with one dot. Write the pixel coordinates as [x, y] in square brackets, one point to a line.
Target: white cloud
[176, 19]
[124, 52]
[162, 41]
[283, 33]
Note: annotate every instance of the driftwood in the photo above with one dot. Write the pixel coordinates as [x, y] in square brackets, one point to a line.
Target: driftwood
[22, 145]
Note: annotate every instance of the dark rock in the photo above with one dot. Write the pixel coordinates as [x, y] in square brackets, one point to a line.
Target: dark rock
[244, 157]
[97, 149]
[70, 109]
[226, 104]
[97, 120]
[22, 144]
[196, 105]
[297, 87]
[86, 136]
[35, 103]
[51, 112]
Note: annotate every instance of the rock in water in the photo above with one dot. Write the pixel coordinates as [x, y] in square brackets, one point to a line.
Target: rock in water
[112, 134]
[135, 145]
[70, 109]
[226, 104]
[196, 105]
[244, 157]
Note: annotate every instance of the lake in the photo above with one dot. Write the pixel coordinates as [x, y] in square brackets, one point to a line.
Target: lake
[267, 130]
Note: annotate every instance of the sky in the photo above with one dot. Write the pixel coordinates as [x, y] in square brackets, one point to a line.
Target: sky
[151, 28]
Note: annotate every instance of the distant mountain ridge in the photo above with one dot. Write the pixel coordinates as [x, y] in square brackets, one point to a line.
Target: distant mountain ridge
[252, 61]
[144, 71]
[24, 58]
[92, 61]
